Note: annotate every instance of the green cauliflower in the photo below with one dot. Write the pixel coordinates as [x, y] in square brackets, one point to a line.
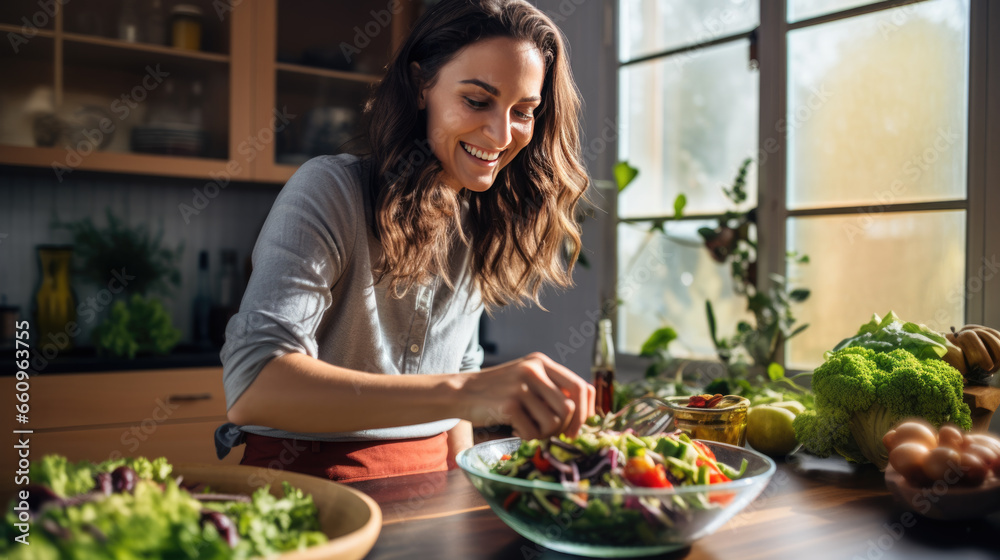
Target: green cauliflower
[861, 394]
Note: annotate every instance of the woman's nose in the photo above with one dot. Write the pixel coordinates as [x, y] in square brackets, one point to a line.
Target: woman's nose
[497, 129]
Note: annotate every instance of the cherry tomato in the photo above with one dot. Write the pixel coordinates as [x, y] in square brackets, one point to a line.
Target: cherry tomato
[510, 500]
[704, 450]
[641, 471]
[541, 463]
[716, 478]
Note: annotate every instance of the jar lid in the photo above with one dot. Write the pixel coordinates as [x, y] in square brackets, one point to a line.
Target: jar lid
[186, 10]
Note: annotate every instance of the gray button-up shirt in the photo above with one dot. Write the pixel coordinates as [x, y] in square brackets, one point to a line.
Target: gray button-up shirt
[312, 292]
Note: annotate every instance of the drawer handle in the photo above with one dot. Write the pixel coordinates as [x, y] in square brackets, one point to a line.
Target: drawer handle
[191, 397]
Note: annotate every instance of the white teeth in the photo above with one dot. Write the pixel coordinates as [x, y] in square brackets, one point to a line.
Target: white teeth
[481, 154]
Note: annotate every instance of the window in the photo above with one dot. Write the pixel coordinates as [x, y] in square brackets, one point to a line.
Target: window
[863, 121]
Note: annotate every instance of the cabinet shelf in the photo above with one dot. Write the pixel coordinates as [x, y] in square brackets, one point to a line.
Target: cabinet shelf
[144, 164]
[313, 72]
[16, 29]
[97, 51]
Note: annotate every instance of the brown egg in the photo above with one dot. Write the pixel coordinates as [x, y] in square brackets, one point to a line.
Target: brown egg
[950, 436]
[889, 440]
[986, 440]
[988, 456]
[975, 470]
[939, 462]
[916, 431]
[908, 459]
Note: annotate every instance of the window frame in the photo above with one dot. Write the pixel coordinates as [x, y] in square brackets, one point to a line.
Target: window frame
[982, 275]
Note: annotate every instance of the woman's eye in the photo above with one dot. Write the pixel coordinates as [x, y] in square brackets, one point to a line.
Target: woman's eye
[475, 104]
[523, 116]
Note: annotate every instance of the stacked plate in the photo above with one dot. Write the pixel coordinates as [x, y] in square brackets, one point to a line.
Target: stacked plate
[176, 139]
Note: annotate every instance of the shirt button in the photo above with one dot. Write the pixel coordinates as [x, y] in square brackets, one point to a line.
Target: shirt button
[414, 348]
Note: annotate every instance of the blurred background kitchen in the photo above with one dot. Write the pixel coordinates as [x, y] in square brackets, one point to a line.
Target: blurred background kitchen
[171, 127]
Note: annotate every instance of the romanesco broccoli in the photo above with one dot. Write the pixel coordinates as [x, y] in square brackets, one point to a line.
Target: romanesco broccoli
[861, 394]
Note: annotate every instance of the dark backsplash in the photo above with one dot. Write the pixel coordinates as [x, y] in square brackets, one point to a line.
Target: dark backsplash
[30, 199]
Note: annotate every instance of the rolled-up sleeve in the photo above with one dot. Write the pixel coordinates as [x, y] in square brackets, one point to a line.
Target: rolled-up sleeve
[300, 254]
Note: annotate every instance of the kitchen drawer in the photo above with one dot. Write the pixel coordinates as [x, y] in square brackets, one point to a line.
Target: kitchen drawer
[183, 442]
[179, 442]
[127, 397]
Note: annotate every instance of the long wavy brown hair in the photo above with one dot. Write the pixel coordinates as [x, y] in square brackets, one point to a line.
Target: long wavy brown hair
[522, 226]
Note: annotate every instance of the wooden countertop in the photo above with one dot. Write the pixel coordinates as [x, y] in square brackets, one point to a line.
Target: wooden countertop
[812, 509]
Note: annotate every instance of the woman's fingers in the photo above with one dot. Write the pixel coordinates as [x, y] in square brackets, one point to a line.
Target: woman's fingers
[523, 426]
[550, 419]
[535, 395]
[591, 400]
[566, 393]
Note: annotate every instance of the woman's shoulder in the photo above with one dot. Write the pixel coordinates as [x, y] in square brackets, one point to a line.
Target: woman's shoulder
[338, 178]
[341, 168]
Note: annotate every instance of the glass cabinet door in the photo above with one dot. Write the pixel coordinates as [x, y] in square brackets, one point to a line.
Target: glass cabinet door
[322, 75]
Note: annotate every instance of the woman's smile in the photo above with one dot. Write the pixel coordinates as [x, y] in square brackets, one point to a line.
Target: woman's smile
[481, 154]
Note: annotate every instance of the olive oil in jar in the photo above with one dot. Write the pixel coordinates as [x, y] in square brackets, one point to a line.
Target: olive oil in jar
[603, 368]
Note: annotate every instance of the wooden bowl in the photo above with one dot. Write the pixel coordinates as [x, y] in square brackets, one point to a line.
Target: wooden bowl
[350, 519]
[945, 501]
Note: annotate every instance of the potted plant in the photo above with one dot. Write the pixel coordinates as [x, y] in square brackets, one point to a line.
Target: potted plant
[749, 356]
[137, 322]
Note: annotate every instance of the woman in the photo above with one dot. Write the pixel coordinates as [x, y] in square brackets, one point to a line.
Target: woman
[372, 270]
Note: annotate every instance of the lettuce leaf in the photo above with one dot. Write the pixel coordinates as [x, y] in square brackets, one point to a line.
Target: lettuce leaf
[154, 521]
[891, 333]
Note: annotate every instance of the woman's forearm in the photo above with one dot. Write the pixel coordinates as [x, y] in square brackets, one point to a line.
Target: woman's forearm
[298, 393]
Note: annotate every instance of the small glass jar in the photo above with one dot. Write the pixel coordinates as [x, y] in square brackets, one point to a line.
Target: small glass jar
[725, 424]
[185, 26]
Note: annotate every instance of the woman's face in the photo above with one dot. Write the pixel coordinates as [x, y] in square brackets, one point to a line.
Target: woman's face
[480, 109]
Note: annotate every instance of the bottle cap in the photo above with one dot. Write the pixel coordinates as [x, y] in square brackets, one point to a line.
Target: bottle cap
[186, 10]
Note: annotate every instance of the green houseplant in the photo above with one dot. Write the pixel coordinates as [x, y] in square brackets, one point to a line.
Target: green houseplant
[138, 323]
[750, 354]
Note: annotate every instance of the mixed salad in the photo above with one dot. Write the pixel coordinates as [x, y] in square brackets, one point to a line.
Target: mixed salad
[134, 508]
[602, 458]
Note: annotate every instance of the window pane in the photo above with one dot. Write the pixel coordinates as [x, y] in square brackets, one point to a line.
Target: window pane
[912, 263]
[687, 122]
[877, 107]
[652, 26]
[665, 281]
[799, 10]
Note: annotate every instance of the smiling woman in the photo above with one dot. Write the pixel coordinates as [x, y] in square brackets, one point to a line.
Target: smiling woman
[372, 269]
[491, 79]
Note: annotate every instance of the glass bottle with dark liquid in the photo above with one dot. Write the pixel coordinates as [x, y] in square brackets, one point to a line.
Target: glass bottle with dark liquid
[603, 368]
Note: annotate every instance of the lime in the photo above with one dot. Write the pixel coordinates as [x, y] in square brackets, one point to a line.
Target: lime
[769, 429]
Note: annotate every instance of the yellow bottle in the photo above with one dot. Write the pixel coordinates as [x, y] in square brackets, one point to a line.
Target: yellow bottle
[55, 305]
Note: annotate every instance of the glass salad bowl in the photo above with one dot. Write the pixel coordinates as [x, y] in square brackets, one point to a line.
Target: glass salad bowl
[607, 522]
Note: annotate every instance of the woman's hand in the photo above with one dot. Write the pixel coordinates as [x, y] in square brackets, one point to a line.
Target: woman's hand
[535, 395]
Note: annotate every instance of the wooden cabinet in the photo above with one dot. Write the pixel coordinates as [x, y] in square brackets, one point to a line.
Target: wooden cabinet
[100, 416]
[273, 83]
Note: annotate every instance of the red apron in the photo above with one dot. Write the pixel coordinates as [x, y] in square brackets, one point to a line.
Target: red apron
[348, 461]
